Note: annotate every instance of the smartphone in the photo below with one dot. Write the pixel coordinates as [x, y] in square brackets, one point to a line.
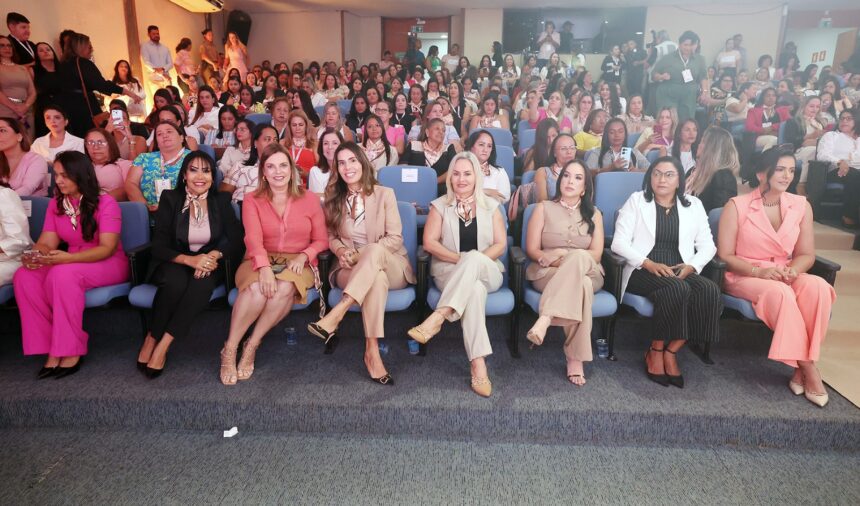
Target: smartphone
[116, 117]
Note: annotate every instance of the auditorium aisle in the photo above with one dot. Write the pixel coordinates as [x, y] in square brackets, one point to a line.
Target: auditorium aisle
[840, 355]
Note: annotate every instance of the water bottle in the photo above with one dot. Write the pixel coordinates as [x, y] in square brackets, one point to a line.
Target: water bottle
[413, 347]
[292, 338]
[383, 348]
[602, 348]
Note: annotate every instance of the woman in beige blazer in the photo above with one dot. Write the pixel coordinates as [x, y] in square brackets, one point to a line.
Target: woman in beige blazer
[465, 234]
[366, 236]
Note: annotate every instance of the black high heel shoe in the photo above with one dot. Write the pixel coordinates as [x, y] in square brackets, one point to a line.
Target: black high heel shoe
[62, 372]
[660, 379]
[320, 332]
[678, 380]
[47, 372]
[385, 380]
[141, 366]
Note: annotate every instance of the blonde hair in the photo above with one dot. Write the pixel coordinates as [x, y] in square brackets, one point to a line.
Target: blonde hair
[295, 190]
[310, 132]
[480, 199]
[719, 153]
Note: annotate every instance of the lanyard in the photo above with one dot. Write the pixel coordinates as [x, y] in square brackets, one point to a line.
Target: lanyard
[164, 164]
[26, 47]
[293, 153]
[685, 62]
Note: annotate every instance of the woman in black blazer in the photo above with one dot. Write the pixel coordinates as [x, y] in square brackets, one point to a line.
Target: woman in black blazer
[195, 230]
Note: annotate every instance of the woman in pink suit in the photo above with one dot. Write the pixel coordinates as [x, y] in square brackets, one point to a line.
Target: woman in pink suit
[51, 289]
[766, 238]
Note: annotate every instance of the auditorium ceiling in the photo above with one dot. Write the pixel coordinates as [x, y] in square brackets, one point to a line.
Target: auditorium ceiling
[407, 8]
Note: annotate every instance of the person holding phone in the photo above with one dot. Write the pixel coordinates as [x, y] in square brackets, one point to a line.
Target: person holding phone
[665, 240]
[614, 154]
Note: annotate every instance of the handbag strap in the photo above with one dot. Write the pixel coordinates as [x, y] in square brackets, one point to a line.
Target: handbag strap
[84, 90]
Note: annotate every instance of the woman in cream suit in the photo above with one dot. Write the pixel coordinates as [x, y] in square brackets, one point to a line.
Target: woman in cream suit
[366, 235]
[465, 234]
[14, 233]
[666, 241]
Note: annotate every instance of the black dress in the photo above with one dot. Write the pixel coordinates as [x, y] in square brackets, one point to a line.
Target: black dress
[683, 309]
[722, 187]
[47, 89]
[80, 109]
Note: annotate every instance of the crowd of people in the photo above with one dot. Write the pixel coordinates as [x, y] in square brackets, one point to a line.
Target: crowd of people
[298, 148]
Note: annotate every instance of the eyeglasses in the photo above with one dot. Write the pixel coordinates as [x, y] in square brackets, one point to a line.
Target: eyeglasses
[96, 144]
[664, 175]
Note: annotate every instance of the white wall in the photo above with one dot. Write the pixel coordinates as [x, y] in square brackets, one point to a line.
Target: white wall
[352, 37]
[815, 41]
[480, 28]
[458, 30]
[295, 36]
[716, 23]
[371, 39]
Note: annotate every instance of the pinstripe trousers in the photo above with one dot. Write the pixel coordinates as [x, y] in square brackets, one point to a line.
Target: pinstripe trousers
[683, 308]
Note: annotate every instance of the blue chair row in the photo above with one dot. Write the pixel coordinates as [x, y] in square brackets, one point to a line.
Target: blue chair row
[526, 140]
[501, 136]
[260, 119]
[420, 192]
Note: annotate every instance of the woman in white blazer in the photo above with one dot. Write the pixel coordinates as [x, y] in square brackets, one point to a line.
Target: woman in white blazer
[666, 241]
[14, 233]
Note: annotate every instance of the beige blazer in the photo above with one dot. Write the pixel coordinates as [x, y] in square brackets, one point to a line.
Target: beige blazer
[382, 225]
[451, 231]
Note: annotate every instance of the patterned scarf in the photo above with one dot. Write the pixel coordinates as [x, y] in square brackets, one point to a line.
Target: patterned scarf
[464, 209]
[432, 156]
[374, 149]
[485, 168]
[193, 202]
[355, 204]
[71, 211]
[487, 121]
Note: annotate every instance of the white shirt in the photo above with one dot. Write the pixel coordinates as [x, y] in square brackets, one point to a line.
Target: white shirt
[451, 62]
[687, 160]
[546, 48]
[737, 116]
[599, 105]
[835, 146]
[42, 146]
[318, 100]
[14, 233]
[498, 180]
[232, 155]
[207, 118]
[155, 56]
[317, 180]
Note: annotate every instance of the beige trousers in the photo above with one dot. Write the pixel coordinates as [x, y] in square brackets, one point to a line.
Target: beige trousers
[567, 292]
[464, 289]
[368, 282]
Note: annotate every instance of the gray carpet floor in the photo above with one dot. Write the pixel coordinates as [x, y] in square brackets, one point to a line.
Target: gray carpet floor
[49, 467]
[742, 400]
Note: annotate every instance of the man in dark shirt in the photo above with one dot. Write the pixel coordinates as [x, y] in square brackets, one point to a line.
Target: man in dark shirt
[566, 38]
[19, 35]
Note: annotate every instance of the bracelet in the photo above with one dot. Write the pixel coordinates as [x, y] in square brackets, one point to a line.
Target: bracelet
[754, 271]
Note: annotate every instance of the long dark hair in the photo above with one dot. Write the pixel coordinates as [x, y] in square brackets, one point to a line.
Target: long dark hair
[308, 107]
[129, 78]
[541, 151]
[473, 138]
[254, 156]
[80, 170]
[198, 109]
[38, 63]
[336, 191]
[676, 143]
[183, 171]
[226, 109]
[614, 105]
[604, 143]
[586, 206]
[682, 180]
[384, 137]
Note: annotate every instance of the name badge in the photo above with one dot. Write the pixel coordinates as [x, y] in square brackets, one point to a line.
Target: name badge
[28, 207]
[161, 185]
[687, 74]
[766, 125]
[409, 176]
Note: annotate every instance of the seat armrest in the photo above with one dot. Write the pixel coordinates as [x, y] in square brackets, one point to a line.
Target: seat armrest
[715, 270]
[138, 261]
[423, 277]
[324, 261]
[613, 265]
[518, 275]
[826, 269]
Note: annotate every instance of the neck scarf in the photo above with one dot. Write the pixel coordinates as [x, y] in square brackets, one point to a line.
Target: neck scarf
[71, 211]
[464, 209]
[193, 202]
[432, 156]
[485, 168]
[355, 204]
[374, 149]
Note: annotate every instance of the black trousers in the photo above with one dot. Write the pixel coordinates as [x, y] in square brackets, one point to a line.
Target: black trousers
[180, 298]
[851, 192]
[684, 309]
